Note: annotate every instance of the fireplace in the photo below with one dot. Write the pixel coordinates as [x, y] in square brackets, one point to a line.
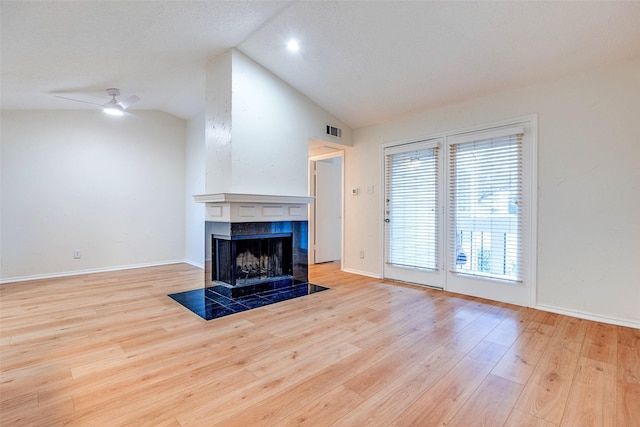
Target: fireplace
[247, 260]
[244, 258]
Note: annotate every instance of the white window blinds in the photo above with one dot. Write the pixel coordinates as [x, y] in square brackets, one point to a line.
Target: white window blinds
[411, 211]
[485, 206]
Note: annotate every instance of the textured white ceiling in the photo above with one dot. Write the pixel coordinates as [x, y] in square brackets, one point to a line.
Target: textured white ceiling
[364, 61]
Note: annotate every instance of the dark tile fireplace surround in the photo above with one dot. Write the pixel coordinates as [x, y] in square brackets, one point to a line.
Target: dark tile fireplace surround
[252, 257]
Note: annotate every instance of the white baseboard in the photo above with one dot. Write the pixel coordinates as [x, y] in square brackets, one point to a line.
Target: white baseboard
[590, 316]
[193, 263]
[361, 273]
[89, 271]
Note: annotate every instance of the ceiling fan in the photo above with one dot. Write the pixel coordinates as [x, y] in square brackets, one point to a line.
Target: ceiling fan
[113, 107]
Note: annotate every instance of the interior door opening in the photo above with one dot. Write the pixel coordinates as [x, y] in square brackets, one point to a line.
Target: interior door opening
[325, 219]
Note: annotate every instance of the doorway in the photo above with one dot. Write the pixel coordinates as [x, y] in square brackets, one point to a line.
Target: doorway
[325, 216]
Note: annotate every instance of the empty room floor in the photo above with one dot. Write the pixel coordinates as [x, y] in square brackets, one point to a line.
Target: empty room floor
[113, 349]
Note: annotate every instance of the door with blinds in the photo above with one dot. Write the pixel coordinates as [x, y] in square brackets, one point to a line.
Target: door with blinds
[460, 213]
[489, 211]
[413, 213]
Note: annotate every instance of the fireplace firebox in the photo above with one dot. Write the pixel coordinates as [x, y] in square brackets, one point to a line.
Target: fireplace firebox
[246, 260]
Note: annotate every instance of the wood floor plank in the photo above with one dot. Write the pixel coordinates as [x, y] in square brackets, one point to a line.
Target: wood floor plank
[628, 377]
[600, 342]
[311, 392]
[628, 360]
[490, 404]
[388, 402]
[628, 404]
[518, 418]
[378, 376]
[571, 329]
[508, 330]
[546, 393]
[113, 349]
[593, 395]
[437, 405]
[326, 410]
[242, 399]
[523, 356]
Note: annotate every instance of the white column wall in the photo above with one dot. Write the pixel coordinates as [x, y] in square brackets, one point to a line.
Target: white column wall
[110, 187]
[588, 186]
[218, 126]
[270, 133]
[258, 130]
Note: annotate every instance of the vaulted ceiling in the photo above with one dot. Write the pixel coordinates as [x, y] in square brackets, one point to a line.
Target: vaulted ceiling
[363, 61]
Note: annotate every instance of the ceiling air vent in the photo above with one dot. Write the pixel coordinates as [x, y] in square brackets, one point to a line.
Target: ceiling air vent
[333, 131]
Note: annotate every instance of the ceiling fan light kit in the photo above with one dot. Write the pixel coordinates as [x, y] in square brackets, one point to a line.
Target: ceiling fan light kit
[113, 107]
[113, 111]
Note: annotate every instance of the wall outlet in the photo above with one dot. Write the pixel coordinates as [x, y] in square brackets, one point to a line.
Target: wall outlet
[361, 254]
[76, 254]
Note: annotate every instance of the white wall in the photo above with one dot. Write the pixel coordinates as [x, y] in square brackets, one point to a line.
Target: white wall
[588, 186]
[217, 142]
[262, 146]
[111, 187]
[194, 184]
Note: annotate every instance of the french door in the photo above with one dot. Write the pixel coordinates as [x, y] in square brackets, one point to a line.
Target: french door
[413, 214]
[460, 213]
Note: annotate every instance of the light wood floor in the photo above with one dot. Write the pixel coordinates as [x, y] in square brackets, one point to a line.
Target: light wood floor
[112, 349]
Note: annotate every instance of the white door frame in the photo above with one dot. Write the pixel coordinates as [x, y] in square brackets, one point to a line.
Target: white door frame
[312, 210]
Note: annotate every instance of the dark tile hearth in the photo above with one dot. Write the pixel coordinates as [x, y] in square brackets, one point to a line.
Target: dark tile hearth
[209, 304]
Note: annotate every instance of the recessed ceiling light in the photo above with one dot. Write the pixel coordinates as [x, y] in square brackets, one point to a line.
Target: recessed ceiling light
[293, 45]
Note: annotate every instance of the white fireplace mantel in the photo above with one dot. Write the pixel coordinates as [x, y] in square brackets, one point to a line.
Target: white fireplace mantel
[251, 198]
[236, 207]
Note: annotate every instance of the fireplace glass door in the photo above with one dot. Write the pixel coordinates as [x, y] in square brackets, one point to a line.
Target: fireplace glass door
[246, 260]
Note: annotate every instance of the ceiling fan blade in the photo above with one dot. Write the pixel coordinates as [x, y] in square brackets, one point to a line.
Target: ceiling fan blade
[78, 100]
[129, 101]
[135, 116]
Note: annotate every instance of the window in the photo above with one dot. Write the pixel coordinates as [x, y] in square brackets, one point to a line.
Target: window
[485, 188]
